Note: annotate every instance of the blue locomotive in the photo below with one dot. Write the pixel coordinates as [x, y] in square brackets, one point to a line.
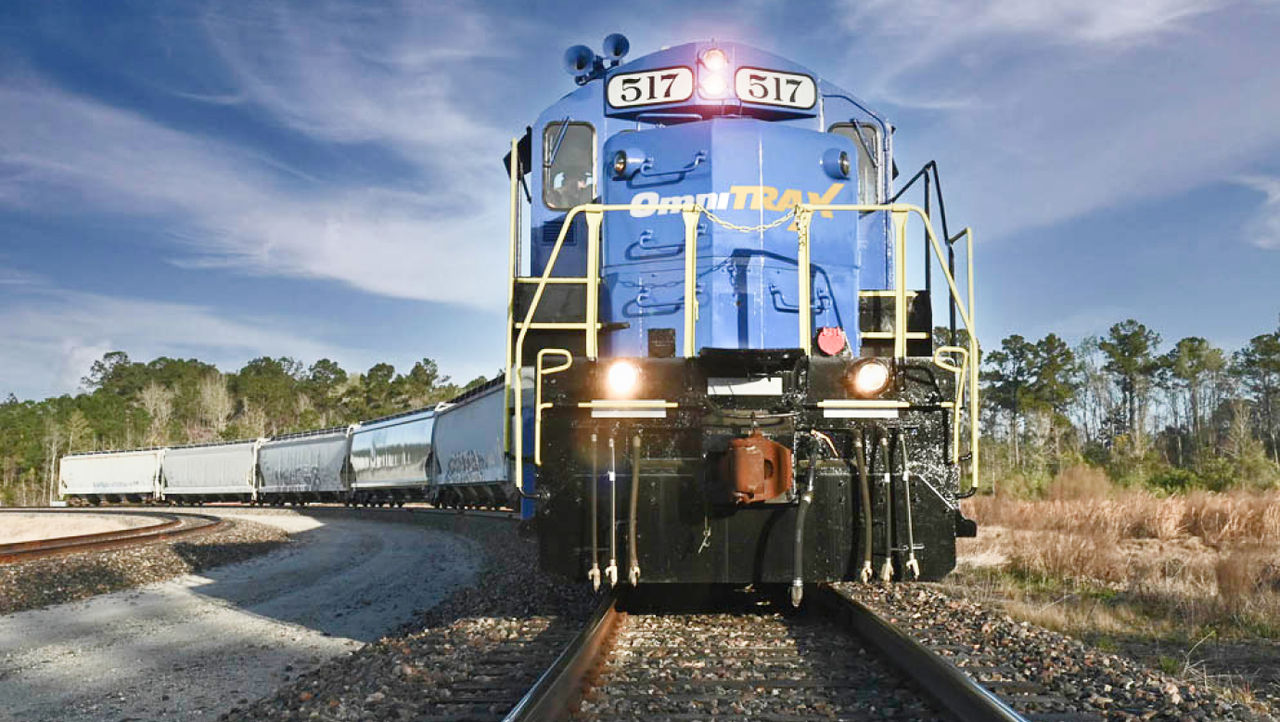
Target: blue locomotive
[716, 370]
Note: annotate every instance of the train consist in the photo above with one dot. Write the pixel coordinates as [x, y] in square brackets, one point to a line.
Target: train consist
[716, 368]
[450, 455]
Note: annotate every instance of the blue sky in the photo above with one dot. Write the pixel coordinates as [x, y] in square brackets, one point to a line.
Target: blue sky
[230, 180]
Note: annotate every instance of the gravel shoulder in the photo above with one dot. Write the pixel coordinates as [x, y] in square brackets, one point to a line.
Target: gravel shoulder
[1080, 678]
[60, 579]
[471, 657]
[197, 645]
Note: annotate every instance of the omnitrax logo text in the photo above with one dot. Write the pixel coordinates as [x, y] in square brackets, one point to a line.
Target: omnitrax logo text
[738, 198]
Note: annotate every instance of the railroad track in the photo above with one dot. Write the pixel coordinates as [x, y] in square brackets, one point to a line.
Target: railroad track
[835, 660]
[169, 526]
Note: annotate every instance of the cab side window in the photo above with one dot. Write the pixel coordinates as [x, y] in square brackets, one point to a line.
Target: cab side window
[866, 138]
[568, 164]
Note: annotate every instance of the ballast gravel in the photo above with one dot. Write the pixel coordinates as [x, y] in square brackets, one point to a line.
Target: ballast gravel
[471, 657]
[1041, 672]
[57, 580]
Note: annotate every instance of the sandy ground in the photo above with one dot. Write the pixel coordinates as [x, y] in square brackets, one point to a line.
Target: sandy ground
[196, 646]
[17, 526]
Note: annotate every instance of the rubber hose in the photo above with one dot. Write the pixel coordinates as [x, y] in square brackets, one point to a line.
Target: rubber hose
[864, 489]
[806, 498]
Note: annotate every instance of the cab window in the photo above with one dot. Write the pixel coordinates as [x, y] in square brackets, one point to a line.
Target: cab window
[568, 165]
[866, 138]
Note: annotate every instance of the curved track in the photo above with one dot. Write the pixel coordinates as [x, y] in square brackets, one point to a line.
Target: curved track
[169, 526]
[744, 665]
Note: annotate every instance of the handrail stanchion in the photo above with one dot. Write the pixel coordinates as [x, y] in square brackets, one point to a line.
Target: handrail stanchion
[975, 360]
[512, 271]
[900, 284]
[691, 216]
[804, 221]
[594, 217]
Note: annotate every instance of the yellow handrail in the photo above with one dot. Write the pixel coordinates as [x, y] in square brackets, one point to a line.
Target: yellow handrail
[691, 214]
[960, 372]
[966, 310]
[538, 405]
[513, 269]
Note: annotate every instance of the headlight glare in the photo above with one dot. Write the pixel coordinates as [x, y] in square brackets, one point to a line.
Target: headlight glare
[714, 59]
[713, 85]
[622, 379]
[869, 378]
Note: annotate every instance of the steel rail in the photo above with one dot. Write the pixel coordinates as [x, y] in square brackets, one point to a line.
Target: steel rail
[173, 526]
[550, 698]
[941, 680]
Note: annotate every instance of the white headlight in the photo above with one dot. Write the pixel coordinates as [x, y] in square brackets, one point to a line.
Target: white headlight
[713, 85]
[714, 59]
[870, 378]
[622, 378]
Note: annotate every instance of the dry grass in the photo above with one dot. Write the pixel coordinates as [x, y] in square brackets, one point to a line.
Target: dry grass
[1181, 563]
[1078, 504]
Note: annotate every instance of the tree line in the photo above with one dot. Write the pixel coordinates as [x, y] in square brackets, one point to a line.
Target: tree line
[1176, 417]
[1170, 416]
[166, 401]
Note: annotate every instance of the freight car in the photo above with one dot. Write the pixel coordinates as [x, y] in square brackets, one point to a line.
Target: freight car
[449, 454]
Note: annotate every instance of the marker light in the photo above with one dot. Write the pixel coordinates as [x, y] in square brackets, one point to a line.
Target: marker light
[622, 378]
[627, 162]
[713, 85]
[836, 163]
[869, 378]
[714, 59]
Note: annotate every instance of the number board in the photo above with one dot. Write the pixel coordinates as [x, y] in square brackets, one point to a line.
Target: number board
[651, 87]
[771, 87]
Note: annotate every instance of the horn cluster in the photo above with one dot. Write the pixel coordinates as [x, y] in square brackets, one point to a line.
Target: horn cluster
[584, 65]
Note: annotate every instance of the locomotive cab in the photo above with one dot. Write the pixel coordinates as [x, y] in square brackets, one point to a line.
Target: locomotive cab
[715, 370]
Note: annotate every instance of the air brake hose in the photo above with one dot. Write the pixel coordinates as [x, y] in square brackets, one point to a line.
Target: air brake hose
[612, 570]
[806, 499]
[864, 489]
[886, 571]
[913, 565]
[594, 573]
[633, 569]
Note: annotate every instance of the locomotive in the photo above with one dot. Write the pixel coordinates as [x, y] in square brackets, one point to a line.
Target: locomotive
[731, 381]
[715, 369]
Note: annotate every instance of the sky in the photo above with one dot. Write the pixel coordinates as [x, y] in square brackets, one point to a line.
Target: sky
[322, 179]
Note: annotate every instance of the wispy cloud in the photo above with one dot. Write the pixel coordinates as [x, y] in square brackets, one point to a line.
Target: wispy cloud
[228, 206]
[53, 335]
[14, 277]
[949, 22]
[1263, 230]
[1044, 112]
[349, 73]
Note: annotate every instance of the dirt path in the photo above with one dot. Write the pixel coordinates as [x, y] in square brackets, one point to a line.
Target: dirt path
[196, 646]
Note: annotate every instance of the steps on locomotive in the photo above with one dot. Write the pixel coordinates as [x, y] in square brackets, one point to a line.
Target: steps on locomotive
[876, 321]
[563, 301]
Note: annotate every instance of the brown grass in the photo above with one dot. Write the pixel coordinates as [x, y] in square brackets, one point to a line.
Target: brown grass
[1077, 504]
[1197, 560]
